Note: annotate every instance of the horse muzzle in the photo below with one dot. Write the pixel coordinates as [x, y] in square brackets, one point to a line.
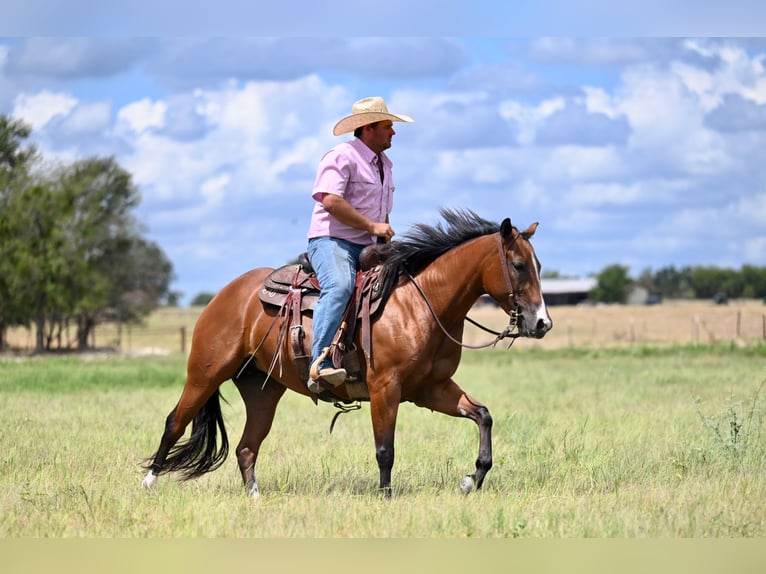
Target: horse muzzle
[535, 329]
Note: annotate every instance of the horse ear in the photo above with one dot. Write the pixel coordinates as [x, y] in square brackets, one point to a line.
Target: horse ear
[506, 229]
[530, 231]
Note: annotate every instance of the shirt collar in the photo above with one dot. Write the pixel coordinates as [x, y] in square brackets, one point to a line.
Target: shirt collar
[366, 152]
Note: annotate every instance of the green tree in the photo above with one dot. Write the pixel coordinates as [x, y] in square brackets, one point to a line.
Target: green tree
[612, 285]
[117, 274]
[669, 281]
[201, 299]
[553, 274]
[754, 281]
[707, 281]
[73, 252]
[16, 158]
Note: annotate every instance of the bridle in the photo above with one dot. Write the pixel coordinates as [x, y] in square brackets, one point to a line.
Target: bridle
[513, 324]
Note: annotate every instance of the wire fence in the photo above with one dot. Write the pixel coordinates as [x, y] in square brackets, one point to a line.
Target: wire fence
[743, 322]
[656, 325]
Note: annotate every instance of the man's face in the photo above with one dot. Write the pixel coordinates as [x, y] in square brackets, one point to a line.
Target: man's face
[378, 136]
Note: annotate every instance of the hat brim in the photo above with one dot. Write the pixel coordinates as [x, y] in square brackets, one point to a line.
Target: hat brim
[350, 123]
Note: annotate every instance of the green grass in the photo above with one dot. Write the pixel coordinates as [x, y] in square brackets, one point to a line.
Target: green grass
[618, 443]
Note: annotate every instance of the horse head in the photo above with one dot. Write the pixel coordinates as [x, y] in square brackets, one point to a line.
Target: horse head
[515, 281]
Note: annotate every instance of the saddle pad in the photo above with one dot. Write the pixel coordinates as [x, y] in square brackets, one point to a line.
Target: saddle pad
[278, 284]
[281, 280]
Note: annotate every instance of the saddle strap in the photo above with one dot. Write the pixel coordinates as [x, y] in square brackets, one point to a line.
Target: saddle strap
[301, 359]
[358, 310]
[365, 295]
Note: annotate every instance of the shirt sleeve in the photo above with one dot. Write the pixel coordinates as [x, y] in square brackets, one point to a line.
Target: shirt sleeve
[333, 175]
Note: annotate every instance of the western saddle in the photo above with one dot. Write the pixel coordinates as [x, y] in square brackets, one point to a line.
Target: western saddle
[294, 290]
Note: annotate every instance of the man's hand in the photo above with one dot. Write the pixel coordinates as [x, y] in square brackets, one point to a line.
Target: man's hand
[342, 210]
[383, 230]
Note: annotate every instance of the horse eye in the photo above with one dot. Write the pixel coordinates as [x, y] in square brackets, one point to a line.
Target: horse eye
[519, 266]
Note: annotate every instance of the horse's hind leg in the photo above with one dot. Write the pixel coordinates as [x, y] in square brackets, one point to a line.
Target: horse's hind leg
[197, 395]
[261, 397]
[450, 399]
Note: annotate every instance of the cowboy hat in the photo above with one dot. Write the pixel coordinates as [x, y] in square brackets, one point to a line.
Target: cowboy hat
[367, 111]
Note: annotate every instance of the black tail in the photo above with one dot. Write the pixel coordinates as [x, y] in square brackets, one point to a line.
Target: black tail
[200, 453]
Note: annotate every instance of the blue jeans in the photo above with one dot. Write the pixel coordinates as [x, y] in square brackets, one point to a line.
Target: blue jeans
[335, 262]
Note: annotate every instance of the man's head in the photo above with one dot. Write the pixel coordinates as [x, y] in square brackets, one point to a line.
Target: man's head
[366, 112]
[377, 135]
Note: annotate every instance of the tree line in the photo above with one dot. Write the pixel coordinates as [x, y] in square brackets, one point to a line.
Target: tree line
[700, 282]
[72, 254]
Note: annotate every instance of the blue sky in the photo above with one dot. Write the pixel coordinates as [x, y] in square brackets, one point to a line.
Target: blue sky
[627, 145]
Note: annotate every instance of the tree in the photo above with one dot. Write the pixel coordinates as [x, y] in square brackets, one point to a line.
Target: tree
[37, 258]
[119, 275]
[201, 299]
[173, 298]
[754, 281]
[612, 286]
[15, 161]
[554, 274]
[13, 134]
[668, 281]
[707, 282]
[71, 251]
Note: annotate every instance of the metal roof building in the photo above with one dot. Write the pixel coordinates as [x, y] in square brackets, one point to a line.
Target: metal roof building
[567, 291]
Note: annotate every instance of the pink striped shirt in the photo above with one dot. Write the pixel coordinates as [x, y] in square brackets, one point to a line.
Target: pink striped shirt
[350, 170]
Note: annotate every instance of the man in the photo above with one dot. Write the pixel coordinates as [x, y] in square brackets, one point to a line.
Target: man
[353, 192]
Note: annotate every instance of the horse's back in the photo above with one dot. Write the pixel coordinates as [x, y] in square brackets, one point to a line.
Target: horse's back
[234, 306]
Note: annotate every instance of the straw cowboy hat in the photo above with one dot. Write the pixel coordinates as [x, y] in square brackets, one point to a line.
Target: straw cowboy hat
[367, 111]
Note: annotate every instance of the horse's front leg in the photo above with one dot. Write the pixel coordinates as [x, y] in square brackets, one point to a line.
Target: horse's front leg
[480, 415]
[261, 397]
[450, 399]
[384, 407]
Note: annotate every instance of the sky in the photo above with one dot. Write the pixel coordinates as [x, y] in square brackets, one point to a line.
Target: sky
[629, 146]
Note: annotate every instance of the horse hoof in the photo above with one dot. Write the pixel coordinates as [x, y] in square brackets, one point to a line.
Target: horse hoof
[149, 480]
[467, 484]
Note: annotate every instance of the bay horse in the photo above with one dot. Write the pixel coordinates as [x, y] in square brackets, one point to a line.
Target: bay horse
[435, 275]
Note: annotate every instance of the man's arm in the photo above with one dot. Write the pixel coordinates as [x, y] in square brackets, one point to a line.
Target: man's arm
[344, 212]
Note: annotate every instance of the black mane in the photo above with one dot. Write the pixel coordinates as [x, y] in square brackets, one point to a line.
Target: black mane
[422, 243]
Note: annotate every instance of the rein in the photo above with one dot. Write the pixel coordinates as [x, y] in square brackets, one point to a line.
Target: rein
[505, 333]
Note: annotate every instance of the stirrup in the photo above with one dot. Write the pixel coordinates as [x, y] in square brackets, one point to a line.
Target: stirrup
[329, 375]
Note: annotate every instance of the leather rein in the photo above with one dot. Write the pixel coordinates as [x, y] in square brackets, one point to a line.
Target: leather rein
[508, 332]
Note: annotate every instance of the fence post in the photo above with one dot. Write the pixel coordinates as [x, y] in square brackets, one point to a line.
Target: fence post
[739, 322]
[183, 339]
[696, 329]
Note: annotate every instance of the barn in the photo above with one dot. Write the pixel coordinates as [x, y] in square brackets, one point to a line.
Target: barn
[558, 291]
[567, 291]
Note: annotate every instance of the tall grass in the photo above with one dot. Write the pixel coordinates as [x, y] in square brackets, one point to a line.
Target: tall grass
[618, 443]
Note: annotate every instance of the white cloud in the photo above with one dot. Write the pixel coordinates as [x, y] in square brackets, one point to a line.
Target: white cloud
[142, 115]
[754, 248]
[597, 194]
[40, 108]
[88, 117]
[529, 117]
[213, 189]
[225, 166]
[599, 101]
[749, 211]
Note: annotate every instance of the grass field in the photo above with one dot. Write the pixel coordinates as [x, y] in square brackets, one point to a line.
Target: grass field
[626, 439]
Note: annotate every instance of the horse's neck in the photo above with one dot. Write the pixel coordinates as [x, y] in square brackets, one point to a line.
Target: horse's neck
[453, 282]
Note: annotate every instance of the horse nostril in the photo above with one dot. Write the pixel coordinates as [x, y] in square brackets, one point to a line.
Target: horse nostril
[541, 326]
